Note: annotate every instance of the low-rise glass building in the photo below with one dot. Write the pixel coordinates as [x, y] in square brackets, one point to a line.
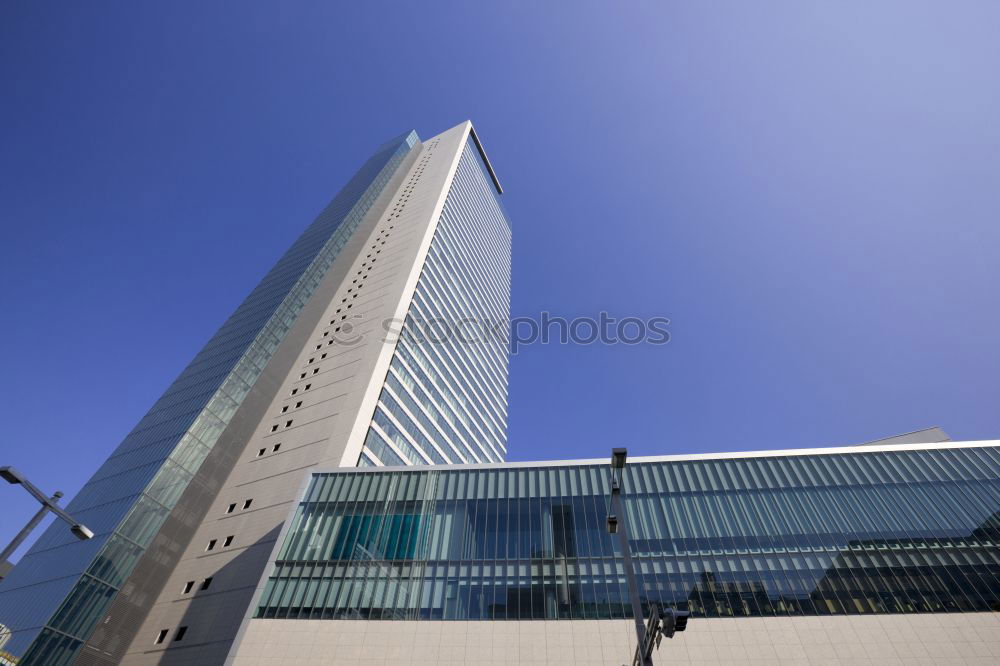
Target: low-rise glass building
[848, 531]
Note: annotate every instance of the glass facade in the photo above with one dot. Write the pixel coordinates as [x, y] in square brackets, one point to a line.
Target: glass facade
[445, 397]
[848, 531]
[59, 591]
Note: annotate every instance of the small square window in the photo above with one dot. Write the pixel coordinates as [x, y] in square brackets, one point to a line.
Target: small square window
[276, 446]
[261, 452]
[211, 545]
[274, 428]
[162, 636]
[288, 424]
[228, 541]
[232, 507]
[206, 583]
[284, 409]
[187, 586]
[316, 371]
[298, 404]
[294, 391]
[179, 636]
[246, 504]
[308, 386]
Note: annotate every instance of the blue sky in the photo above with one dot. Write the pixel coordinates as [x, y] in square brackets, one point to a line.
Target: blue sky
[809, 191]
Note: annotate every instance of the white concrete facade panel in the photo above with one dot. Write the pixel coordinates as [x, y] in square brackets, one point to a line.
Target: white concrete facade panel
[968, 639]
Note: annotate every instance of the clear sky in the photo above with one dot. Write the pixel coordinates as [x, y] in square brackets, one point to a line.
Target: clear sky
[809, 191]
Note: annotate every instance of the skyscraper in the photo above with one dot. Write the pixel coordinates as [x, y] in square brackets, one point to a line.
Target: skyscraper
[353, 350]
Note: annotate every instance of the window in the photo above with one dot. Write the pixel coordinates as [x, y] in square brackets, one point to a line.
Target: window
[211, 545]
[160, 637]
[294, 391]
[315, 371]
[261, 452]
[288, 424]
[179, 636]
[206, 583]
[308, 386]
[187, 586]
[228, 541]
[276, 446]
[298, 404]
[274, 428]
[232, 507]
[284, 409]
[246, 504]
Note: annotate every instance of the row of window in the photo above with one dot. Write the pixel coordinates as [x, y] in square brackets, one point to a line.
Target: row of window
[246, 505]
[274, 449]
[188, 586]
[288, 424]
[228, 541]
[358, 282]
[162, 636]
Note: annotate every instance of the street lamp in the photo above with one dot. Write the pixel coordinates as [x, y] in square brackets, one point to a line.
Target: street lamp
[80, 531]
[662, 622]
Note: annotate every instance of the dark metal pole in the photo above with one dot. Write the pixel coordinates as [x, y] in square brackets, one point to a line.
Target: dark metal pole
[32, 524]
[633, 586]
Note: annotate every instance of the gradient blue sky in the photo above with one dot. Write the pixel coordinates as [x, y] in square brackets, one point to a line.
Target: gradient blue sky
[809, 191]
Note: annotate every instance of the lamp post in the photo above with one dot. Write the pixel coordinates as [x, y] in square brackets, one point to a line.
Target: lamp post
[662, 622]
[616, 525]
[80, 531]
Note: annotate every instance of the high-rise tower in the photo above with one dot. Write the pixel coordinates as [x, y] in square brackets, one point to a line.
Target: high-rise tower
[378, 338]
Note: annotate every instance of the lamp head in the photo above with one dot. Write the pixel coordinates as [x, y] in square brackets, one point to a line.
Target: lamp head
[82, 532]
[10, 475]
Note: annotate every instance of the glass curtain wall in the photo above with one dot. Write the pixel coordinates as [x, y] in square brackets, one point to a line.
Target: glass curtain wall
[853, 533]
[445, 396]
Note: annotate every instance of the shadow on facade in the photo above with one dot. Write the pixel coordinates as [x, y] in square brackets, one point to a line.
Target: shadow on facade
[214, 615]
